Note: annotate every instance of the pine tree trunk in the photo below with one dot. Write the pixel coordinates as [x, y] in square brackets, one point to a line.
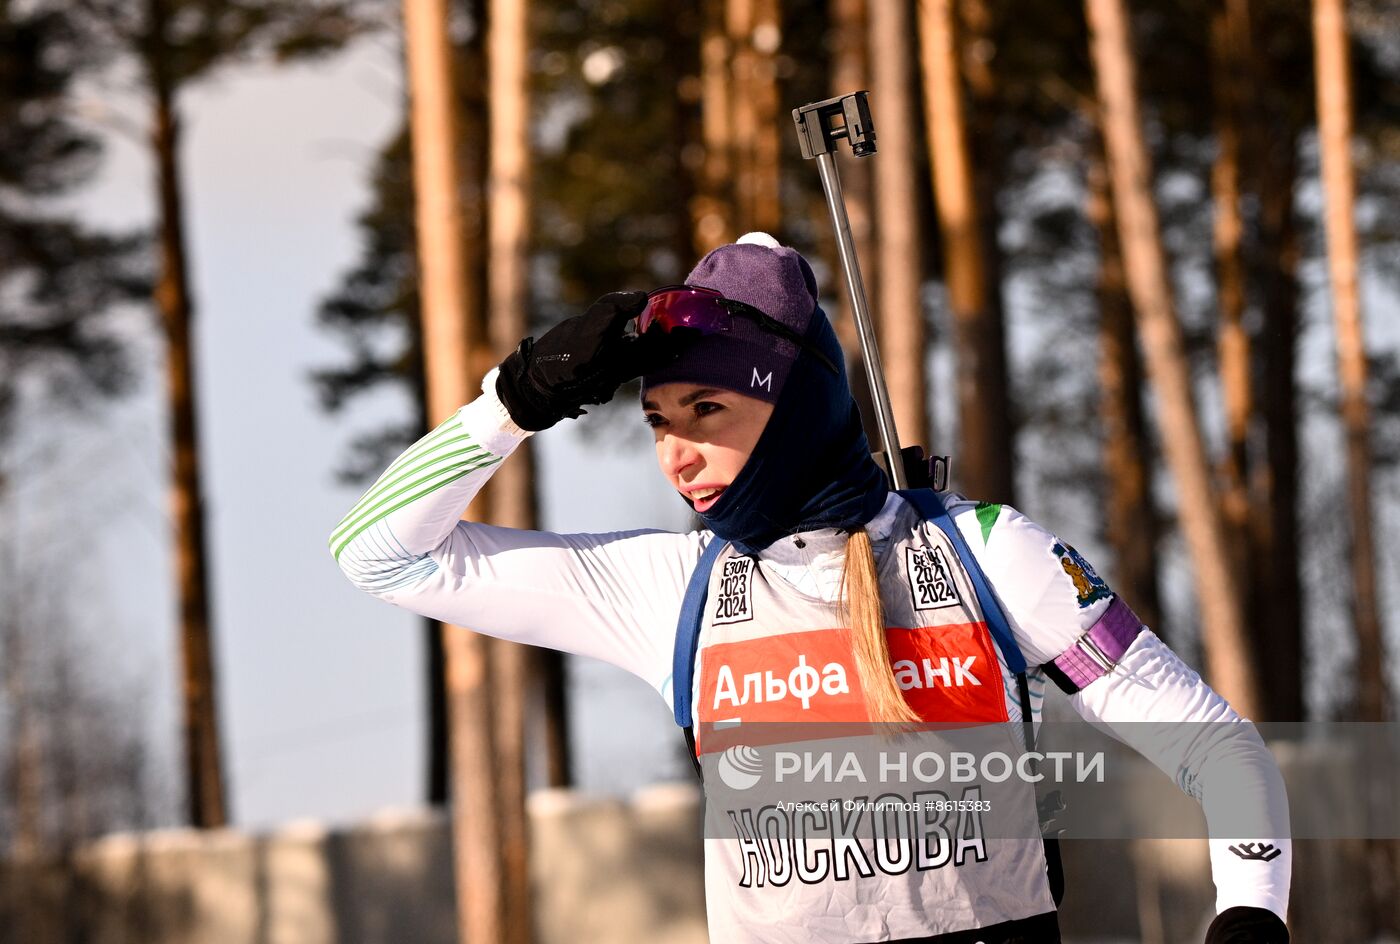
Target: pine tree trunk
[754, 32]
[984, 456]
[23, 763]
[437, 786]
[976, 50]
[1334, 131]
[22, 760]
[767, 41]
[512, 486]
[508, 227]
[23, 767]
[455, 349]
[1278, 631]
[681, 72]
[1343, 264]
[438, 772]
[1132, 521]
[850, 72]
[764, 208]
[1229, 36]
[739, 22]
[438, 768]
[714, 213]
[1228, 660]
[552, 670]
[204, 768]
[512, 667]
[1273, 104]
[900, 322]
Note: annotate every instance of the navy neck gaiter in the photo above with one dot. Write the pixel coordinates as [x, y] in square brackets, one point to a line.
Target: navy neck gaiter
[811, 468]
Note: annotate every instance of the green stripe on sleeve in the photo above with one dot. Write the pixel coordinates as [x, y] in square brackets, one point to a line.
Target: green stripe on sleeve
[391, 503]
[390, 485]
[445, 428]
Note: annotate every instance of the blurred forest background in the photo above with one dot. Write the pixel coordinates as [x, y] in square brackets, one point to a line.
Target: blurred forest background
[1135, 266]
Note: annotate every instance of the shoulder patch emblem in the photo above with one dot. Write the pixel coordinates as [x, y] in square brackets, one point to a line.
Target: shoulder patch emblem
[734, 602]
[930, 578]
[1089, 587]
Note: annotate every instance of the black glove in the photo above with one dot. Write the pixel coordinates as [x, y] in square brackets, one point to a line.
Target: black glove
[1242, 925]
[581, 360]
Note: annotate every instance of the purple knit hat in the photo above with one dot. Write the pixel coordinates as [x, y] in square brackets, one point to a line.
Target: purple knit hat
[772, 278]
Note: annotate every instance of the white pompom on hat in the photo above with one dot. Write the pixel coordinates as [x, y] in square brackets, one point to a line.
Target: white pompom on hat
[757, 238]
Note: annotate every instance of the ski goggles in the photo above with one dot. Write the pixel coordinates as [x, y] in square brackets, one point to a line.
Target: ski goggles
[709, 312]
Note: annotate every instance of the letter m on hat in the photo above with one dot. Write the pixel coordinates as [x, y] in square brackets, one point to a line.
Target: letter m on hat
[766, 381]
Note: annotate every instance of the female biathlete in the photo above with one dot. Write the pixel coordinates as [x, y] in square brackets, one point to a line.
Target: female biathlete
[743, 386]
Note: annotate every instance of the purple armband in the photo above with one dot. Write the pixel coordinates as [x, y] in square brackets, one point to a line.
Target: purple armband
[1095, 653]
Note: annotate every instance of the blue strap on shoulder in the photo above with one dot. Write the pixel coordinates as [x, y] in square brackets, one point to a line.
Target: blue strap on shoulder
[931, 507]
[688, 630]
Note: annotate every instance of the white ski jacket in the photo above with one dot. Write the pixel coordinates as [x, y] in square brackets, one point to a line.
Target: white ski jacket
[616, 597]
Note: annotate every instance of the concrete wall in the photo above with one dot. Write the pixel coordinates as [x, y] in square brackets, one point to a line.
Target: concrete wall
[603, 870]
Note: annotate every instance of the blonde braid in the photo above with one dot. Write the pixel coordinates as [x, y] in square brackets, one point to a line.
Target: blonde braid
[865, 614]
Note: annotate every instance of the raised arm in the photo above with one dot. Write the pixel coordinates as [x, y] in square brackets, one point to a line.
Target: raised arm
[611, 596]
[1052, 597]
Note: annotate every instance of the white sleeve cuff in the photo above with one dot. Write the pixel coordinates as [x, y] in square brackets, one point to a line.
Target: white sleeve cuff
[1251, 884]
[488, 422]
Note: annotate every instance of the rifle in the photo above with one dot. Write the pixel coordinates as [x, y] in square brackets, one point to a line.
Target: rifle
[821, 126]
